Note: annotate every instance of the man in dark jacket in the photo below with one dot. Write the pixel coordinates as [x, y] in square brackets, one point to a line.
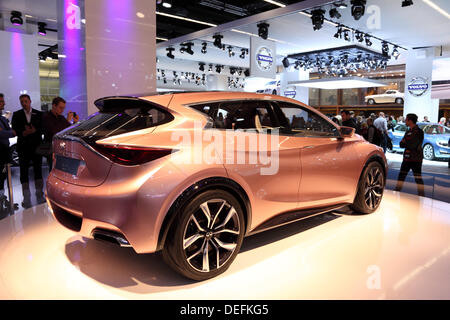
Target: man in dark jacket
[413, 155]
[28, 125]
[53, 122]
[347, 120]
[5, 133]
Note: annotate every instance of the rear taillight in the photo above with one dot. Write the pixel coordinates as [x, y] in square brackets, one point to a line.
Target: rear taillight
[129, 155]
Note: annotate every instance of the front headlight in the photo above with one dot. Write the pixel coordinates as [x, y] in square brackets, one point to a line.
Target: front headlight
[442, 143]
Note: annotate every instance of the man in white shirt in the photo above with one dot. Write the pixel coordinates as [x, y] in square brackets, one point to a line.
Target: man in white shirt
[381, 124]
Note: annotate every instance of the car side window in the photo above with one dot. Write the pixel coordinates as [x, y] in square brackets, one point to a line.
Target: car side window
[300, 121]
[400, 127]
[251, 115]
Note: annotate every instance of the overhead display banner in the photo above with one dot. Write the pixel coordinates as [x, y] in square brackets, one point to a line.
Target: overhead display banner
[262, 58]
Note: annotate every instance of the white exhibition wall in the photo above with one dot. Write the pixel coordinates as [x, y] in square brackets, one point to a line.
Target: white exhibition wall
[120, 48]
[19, 65]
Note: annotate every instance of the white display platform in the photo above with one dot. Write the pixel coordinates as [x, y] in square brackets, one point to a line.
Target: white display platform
[402, 251]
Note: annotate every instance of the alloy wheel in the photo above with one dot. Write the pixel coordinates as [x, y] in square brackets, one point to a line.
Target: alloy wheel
[373, 187]
[211, 235]
[428, 152]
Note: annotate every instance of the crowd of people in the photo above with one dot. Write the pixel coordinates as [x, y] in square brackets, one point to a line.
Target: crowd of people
[34, 130]
[373, 128]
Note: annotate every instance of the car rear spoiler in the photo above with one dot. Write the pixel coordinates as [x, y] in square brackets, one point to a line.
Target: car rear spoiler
[121, 103]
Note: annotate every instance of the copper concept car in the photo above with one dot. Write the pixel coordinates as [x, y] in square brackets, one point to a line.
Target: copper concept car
[191, 174]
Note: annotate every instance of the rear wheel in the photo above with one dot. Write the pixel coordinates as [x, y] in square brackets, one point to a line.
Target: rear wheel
[371, 101]
[370, 189]
[428, 152]
[399, 101]
[206, 237]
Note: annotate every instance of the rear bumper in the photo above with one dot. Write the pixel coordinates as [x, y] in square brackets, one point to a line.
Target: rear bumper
[132, 207]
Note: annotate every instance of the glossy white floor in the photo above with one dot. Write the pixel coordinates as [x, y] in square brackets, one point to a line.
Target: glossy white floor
[400, 252]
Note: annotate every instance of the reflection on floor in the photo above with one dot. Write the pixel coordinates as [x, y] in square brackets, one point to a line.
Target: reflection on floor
[402, 251]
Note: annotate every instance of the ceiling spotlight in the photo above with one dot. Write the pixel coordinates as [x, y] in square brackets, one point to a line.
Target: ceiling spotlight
[218, 40]
[317, 18]
[263, 30]
[218, 68]
[359, 36]
[167, 3]
[16, 18]
[338, 34]
[204, 45]
[232, 70]
[358, 8]
[286, 62]
[347, 35]
[247, 72]
[395, 53]
[368, 42]
[170, 51]
[243, 53]
[210, 68]
[187, 47]
[41, 28]
[407, 3]
[201, 66]
[385, 49]
[334, 13]
[230, 51]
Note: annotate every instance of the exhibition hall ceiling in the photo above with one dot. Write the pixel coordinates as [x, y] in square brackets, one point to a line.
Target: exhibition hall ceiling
[395, 24]
[425, 23]
[210, 11]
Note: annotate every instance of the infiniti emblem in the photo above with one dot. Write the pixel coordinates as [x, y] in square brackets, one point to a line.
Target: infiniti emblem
[62, 145]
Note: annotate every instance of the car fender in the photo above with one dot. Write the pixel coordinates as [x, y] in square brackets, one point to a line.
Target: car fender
[192, 186]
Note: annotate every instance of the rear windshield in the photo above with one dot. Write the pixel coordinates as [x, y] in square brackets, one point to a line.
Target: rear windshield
[107, 124]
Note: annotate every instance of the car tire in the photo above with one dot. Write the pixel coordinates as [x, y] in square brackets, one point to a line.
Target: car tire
[370, 189]
[206, 237]
[370, 101]
[428, 152]
[399, 101]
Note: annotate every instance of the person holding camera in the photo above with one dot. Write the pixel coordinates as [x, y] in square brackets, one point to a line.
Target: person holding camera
[53, 122]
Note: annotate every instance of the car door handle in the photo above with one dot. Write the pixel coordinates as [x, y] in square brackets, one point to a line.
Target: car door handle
[308, 147]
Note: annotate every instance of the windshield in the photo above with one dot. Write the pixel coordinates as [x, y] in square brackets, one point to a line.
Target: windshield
[434, 129]
[107, 124]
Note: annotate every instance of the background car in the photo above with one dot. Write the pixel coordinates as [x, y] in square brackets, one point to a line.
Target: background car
[272, 87]
[124, 176]
[435, 143]
[390, 96]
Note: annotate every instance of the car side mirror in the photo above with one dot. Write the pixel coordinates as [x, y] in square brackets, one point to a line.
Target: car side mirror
[346, 132]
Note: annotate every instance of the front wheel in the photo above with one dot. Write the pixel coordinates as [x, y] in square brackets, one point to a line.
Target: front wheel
[371, 101]
[370, 189]
[399, 101]
[207, 236]
[428, 152]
